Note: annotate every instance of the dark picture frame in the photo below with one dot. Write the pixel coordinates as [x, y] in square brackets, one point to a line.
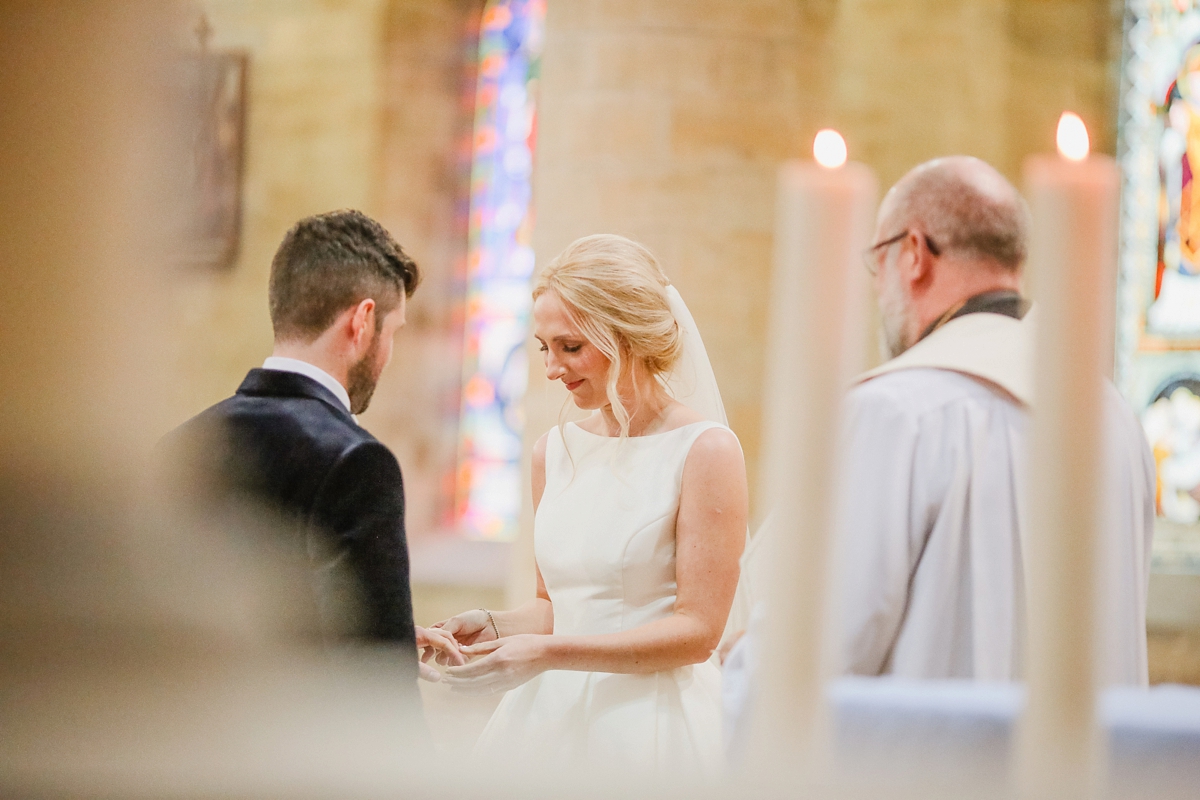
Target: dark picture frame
[216, 117]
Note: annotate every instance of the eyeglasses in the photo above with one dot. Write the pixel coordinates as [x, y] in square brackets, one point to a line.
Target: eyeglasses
[871, 261]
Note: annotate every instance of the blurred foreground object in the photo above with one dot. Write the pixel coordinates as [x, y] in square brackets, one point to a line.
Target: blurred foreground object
[1072, 597]
[823, 220]
[894, 737]
[142, 656]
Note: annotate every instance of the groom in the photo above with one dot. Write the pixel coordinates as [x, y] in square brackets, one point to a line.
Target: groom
[288, 439]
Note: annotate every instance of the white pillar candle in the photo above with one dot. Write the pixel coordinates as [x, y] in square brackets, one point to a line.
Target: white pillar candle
[823, 224]
[1072, 261]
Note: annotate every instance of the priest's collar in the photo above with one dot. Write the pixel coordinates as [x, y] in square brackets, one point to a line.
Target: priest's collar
[1000, 301]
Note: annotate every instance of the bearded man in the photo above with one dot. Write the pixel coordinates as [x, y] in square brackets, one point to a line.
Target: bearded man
[288, 443]
[933, 515]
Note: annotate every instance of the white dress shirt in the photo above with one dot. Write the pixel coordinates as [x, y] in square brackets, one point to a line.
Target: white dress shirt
[308, 370]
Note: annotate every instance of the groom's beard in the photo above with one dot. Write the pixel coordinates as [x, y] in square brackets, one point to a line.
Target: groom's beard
[362, 378]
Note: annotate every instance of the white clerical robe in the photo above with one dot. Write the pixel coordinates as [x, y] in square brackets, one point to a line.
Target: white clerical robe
[933, 510]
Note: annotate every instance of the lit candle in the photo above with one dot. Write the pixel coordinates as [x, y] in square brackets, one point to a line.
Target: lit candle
[1072, 262]
[824, 217]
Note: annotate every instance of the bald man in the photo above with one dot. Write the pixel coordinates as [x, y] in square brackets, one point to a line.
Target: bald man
[932, 513]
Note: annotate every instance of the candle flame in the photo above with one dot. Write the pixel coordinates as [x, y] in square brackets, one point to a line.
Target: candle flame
[829, 148]
[1072, 137]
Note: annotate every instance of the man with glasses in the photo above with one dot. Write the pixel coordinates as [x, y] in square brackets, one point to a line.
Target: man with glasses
[933, 500]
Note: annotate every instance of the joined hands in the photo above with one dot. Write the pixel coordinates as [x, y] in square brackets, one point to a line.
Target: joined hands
[498, 665]
[433, 642]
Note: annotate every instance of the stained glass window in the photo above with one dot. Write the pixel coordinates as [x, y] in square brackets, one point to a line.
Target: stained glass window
[499, 269]
[1158, 331]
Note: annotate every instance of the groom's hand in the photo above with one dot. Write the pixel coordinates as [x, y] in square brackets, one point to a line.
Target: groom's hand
[434, 641]
[467, 628]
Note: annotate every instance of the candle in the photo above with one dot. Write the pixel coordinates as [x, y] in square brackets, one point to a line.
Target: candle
[823, 222]
[1072, 260]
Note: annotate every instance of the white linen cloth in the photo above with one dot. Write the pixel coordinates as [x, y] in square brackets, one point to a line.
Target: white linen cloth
[933, 512]
[281, 364]
[899, 738]
[604, 537]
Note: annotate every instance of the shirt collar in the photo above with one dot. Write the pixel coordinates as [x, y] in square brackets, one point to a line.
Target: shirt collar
[281, 364]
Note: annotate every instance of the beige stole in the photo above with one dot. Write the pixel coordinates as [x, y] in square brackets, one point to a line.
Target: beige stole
[991, 347]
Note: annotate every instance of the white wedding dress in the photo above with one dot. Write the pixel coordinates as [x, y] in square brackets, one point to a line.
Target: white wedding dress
[604, 537]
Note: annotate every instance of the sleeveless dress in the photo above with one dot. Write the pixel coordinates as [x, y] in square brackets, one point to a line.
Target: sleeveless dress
[604, 537]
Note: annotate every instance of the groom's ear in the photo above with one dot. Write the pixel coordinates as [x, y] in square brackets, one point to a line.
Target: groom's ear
[362, 322]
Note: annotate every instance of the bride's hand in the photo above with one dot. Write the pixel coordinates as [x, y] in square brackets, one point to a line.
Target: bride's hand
[505, 664]
[467, 628]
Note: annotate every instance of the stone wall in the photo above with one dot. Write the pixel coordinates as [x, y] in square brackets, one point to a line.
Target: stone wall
[312, 144]
[356, 104]
[428, 113]
[665, 120]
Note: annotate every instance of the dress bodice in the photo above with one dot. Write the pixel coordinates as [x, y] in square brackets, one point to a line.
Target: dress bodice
[604, 536]
[604, 533]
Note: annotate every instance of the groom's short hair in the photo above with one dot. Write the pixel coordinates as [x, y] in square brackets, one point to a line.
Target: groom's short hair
[329, 262]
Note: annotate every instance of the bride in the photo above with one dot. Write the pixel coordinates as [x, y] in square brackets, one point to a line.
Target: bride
[640, 520]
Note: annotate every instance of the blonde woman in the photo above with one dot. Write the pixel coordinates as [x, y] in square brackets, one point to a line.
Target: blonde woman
[640, 520]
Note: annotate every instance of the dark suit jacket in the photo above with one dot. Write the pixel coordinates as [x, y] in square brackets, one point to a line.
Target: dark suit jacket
[284, 441]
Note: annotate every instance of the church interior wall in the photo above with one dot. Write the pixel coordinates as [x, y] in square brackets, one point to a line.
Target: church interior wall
[312, 143]
[364, 104]
[663, 120]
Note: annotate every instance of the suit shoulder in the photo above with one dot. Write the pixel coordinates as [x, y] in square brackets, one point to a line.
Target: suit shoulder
[367, 450]
[205, 423]
[366, 468]
[306, 428]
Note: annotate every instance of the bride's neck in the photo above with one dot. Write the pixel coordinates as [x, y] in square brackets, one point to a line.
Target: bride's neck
[643, 416]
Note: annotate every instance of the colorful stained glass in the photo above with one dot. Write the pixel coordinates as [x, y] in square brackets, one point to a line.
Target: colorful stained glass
[499, 269]
[1158, 300]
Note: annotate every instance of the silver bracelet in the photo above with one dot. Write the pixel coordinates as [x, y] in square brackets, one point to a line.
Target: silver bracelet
[492, 620]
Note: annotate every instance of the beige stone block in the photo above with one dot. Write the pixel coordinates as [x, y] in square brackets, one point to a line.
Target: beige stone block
[737, 131]
[624, 131]
[661, 200]
[677, 64]
[1174, 656]
[565, 64]
[1076, 30]
[565, 16]
[920, 80]
[737, 17]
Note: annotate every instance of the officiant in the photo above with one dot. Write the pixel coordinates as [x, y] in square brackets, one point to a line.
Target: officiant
[933, 503]
[932, 537]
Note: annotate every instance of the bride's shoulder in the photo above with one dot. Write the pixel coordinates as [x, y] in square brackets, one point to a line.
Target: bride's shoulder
[715, 453]
[715, 444]
[550, 440]
[538, 455]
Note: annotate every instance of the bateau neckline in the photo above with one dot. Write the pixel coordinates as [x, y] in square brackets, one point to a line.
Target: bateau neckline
[643, 436]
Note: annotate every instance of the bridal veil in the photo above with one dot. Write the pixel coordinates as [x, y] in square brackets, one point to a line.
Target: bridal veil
[693, 383]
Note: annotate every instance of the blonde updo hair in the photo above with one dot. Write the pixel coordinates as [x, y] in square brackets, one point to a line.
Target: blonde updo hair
[616, 293]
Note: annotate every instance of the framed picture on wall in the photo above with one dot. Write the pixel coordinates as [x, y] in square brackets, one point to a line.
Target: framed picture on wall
[215, 93]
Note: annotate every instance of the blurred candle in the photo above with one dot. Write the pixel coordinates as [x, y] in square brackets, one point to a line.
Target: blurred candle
[1072, 262]
[824, 218]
